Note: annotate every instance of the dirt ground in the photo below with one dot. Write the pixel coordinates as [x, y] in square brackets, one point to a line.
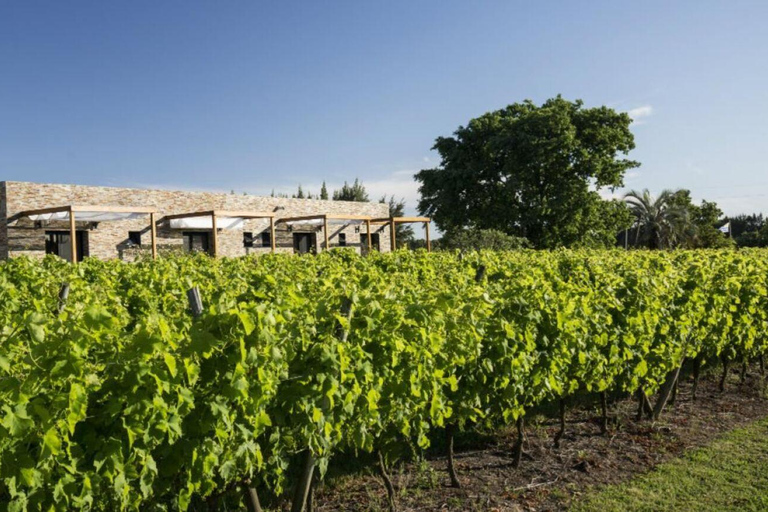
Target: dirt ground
[550, 478]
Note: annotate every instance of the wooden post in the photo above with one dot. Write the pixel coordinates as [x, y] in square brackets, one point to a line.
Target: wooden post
[325, 231]
[63, 296]
[215, 235]
[272, 233]
[426, 230]
[195, 302]
[72, 236]
[393, 241]
[368, 231]
[153, 231]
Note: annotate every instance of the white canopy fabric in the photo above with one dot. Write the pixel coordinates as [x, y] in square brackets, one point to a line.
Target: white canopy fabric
[319, 222]
[206, 222]
[88, 216]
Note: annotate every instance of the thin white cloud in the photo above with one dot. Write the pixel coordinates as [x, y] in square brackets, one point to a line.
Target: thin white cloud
[640, 114]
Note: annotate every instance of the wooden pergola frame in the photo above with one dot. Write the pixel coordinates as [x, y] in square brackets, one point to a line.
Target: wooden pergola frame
[325, 217]
[72, 210]
[394, 221]
[213, 214]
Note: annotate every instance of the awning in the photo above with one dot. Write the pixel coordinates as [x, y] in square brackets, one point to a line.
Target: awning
[78, 213]
[206, 223]
[93, 216]
[214, 220]
[84, 213]
[321, 222]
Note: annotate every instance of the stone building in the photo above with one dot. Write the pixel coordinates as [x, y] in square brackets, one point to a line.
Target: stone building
[114, 222]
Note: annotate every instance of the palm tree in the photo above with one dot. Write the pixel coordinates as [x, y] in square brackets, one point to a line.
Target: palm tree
[660, 223]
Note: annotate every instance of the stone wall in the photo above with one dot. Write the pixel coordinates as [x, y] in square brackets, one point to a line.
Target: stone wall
[110, 239]
[3, 225]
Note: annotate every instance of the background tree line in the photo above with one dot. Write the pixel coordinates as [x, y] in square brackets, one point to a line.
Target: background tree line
[535, 176]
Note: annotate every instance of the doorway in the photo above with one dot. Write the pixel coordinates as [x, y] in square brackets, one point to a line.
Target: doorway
[304, 243]
[58, 243]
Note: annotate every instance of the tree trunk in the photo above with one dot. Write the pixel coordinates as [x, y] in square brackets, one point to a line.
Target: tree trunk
[517, 450]
[640, 404]
[388, 484]
[665, 391]
[251, 499]
[647, 407]
[725, 373]
[762, 364]
[743, 375]
[311, 495]
[561, 432]
[450, 430]
[696, 373]
[673, 397]
[304, 483]
[604, 410]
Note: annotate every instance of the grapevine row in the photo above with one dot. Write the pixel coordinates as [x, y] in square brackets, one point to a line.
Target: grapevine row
[115, 397]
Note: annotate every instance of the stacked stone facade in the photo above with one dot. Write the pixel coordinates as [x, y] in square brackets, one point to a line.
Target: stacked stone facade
[110, 239]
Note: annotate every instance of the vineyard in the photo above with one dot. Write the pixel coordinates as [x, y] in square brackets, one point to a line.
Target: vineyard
[116, 393]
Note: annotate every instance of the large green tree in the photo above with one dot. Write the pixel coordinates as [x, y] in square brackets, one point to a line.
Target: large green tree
[533, 171]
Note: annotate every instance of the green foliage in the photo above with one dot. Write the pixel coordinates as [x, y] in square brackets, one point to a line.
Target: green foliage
[749, 230]
[124, 401]
[704, 220]
[672, 220]
[530, 171]
[481, 239]
[354, 192]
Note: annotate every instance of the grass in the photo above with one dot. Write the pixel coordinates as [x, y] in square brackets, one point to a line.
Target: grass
[729, 474]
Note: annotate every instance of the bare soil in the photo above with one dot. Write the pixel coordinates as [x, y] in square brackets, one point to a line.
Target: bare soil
[550, 478]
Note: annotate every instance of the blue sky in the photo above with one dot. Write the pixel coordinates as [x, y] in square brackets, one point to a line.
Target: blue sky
[255, 96]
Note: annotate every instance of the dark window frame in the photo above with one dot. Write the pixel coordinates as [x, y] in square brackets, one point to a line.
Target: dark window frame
[342, 239]
[53, 242]
[248, 239]
[266, 239]
[188, 240]
[135, 237]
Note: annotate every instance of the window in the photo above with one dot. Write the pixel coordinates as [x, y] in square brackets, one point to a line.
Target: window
[195, 241]
[135, 237]
[266, 239]
[247, 239]
[58, 243]
[342, 239]
[304, 243]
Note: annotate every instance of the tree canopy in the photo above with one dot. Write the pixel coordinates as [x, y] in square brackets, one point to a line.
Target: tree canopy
[354, 192]
[749, 230]
[672, 220]
[533, 171]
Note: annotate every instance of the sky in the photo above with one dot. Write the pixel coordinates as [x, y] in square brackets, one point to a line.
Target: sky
[261, 96]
